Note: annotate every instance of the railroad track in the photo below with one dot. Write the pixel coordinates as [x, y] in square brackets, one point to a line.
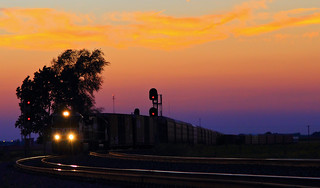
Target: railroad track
[42, 164]
[213, 160]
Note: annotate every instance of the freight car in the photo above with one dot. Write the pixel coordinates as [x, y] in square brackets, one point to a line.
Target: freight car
[261, 139]
[107, 131]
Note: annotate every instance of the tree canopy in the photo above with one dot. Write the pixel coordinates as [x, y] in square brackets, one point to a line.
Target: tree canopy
[70, 82]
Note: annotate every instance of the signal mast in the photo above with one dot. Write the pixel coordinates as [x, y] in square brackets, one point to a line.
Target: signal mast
[156, 102]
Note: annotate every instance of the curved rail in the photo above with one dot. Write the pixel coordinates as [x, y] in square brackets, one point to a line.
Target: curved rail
[213, 160]
[176, 178]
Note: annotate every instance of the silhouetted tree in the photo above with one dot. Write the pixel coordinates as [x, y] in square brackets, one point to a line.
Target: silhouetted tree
[24, 93]
[79, 73]
[70, 82]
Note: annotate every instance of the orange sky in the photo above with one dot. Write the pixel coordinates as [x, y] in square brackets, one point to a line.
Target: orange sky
[254, 56]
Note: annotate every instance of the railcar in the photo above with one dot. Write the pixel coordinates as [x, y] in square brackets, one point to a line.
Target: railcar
[71, 132]
[106, 131]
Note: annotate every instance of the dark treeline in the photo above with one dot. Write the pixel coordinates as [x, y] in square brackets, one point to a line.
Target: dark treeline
[69, 83]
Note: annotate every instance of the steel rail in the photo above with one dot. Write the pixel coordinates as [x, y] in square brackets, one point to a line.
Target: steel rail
[176, 178]
[213, 160]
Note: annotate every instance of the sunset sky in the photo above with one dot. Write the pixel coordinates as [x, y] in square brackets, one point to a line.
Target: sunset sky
[241, 66]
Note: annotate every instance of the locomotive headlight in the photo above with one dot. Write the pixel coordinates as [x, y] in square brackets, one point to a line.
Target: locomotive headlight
[66, 113]
[71, 136]
[57, 137]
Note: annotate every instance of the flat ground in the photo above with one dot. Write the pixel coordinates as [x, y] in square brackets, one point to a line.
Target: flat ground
[12, 177]
[301, 150]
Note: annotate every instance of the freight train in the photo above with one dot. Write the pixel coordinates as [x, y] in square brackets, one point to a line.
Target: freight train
[107, 131]
[73, 132]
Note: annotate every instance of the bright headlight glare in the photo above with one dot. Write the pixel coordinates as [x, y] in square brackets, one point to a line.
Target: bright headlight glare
[66, 113]
[71, 136]
[57, 137]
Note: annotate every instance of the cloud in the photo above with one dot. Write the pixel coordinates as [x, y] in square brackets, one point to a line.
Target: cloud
[283, 20]
[47, 29]
[311, 35]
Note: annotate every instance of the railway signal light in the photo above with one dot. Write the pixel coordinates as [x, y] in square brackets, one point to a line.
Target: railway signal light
[153, 112]
[27, 104]
[156, 102]
[28, 117]
[153, 94]
[27, 111]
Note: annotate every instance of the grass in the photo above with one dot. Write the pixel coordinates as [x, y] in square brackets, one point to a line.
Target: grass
[303, 150]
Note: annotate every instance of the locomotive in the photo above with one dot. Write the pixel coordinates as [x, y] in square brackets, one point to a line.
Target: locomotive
[67, 132]
[73, 132]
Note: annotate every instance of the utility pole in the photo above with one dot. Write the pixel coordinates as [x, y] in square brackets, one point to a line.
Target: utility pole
[308, 132]
[160, 103]
[113, 98]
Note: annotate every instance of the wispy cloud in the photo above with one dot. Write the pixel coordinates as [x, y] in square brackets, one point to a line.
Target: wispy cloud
[282, 20]
[311, 35]
[54, 29]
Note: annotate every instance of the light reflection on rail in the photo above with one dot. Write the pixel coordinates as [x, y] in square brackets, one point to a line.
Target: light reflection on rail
[62, 168]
